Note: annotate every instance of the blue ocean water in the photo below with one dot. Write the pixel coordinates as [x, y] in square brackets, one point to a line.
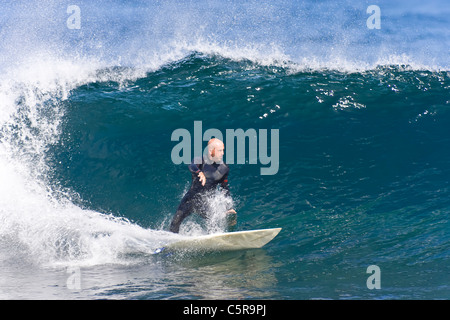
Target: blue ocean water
[90, 97]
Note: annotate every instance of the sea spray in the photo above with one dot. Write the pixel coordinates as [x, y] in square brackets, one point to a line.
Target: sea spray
[37, 214]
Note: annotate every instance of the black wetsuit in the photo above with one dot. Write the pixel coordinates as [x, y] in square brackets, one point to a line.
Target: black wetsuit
[194, 200]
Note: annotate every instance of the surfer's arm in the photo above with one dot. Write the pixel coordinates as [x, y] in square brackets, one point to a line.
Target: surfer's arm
[195, 168]
[196, 165]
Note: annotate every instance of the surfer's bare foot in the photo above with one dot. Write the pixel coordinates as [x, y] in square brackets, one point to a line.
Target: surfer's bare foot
[232, 223]
[231, 218]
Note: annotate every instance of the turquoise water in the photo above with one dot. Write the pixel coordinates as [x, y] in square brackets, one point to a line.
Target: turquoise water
[88, 186]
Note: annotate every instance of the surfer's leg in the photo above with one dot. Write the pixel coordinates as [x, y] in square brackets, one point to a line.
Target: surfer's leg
[201, 209]
[183, 211]
[231, 221]
[202, 204]
[180, 215]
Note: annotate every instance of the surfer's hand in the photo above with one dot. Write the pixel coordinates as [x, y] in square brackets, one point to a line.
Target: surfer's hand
[202, 177]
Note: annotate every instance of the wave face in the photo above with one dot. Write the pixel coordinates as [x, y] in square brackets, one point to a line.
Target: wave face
[87, 179]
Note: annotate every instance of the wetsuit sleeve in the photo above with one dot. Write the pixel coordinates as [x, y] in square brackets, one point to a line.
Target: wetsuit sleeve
[196, 165]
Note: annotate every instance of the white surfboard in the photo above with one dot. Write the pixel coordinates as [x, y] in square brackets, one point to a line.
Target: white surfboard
[228, 241]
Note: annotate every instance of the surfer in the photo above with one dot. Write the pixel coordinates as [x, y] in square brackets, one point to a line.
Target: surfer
[207, 173]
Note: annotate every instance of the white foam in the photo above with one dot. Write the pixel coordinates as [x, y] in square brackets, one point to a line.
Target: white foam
[53, 231]
[36, 217]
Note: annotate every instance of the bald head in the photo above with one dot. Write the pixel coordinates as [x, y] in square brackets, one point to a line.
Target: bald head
[216, 150]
